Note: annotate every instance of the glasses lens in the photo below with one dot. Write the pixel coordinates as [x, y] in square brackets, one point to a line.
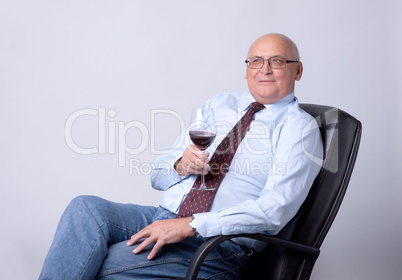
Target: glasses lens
[255, 62]
[277, 62]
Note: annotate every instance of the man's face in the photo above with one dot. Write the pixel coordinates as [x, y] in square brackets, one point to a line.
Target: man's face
[269, 85]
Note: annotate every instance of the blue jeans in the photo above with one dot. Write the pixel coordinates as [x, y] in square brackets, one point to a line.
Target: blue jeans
[90, 243]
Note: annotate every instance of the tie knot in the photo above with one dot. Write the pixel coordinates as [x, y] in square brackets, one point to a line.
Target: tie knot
[255, 107]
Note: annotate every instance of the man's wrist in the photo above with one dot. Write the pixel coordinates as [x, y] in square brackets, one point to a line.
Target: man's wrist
[177, 166]
[193, 225]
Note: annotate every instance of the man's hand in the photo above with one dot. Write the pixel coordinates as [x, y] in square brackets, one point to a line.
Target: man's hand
[162, 232]
[194, 161]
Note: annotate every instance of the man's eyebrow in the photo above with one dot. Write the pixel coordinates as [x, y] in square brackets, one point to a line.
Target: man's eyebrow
[277, 55]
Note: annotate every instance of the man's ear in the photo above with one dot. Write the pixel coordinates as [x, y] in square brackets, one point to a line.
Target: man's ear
[299, 71]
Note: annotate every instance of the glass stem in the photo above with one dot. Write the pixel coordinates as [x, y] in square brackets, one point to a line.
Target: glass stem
[202, 176]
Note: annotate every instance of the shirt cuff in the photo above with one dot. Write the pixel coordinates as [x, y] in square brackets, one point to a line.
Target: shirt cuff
[208, 224]
[165, 176]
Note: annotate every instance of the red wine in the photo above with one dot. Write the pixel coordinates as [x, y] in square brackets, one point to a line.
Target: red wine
[202, 139]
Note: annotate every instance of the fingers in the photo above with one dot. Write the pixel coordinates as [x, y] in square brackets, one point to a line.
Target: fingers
[144, 244]
[155, 250]
[194, 161]
[149, 239]
[134, 239]
[152, 235]
[161, 233]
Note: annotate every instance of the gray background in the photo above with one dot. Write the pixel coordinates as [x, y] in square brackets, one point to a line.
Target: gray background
[60, 57]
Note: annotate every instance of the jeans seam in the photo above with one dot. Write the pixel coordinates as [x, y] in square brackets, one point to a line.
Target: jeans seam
[119, 227]
[143, 264]
[158, 262]
[90, 255]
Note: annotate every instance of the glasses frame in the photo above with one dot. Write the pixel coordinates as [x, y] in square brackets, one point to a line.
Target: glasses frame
[247, 61]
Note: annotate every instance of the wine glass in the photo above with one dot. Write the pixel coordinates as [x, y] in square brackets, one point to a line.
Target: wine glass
[202, 132]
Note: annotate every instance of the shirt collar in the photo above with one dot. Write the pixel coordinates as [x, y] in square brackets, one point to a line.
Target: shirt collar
[274, 106]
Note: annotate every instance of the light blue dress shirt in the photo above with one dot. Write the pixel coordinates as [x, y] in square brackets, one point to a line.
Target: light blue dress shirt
[269, 177]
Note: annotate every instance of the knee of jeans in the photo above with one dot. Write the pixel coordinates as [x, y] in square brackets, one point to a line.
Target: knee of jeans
[84, 199]
[85, 203]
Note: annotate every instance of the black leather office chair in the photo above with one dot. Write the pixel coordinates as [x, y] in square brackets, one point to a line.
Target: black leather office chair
[292, 253]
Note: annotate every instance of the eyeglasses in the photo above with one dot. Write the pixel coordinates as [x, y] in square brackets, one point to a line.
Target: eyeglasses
[275, 62]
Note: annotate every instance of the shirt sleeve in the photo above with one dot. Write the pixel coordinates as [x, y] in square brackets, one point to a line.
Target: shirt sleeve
[299, 147]
[163, 174]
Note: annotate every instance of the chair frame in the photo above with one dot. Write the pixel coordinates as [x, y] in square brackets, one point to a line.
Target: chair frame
[308, 252]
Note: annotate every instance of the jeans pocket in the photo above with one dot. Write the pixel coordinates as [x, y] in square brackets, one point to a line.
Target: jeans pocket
[232, 274]
[233, 260]
[230, 250]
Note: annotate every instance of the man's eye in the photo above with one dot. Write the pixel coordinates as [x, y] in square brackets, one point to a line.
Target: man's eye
[277, 60]
[256, 60]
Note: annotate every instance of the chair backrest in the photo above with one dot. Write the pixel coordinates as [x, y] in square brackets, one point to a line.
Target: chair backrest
[341, 134]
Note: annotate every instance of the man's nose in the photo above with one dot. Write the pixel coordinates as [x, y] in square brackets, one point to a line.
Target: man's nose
[266, 69]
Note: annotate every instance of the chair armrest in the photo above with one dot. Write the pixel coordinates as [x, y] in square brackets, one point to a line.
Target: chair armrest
[211, 243]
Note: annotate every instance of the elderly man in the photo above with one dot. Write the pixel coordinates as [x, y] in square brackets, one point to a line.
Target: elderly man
[268, 177]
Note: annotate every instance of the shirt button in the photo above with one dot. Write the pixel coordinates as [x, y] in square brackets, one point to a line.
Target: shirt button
[208, 232]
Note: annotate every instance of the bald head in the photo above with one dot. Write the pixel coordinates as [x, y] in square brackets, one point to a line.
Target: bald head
[269, 85]
[280, 40]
